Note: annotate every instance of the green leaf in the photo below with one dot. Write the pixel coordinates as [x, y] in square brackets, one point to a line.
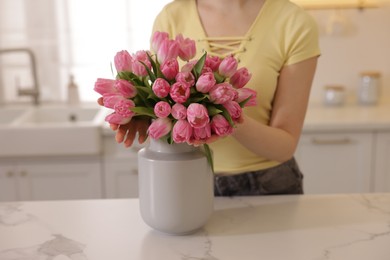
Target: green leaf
[143, 93]
[212, 111]
[242, 103]
[156, 67]
[197, 70]
[209, 156]
[150, 73]
[226, 114]
[129, 76]
[112, 70]
[144, 111]
[219, 78]
[197, 98]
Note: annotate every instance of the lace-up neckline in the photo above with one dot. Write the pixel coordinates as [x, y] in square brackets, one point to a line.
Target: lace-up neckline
[224, 46]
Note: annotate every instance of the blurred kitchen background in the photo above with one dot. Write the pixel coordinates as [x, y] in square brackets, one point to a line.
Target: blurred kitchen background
[81, 37]
[69, 153]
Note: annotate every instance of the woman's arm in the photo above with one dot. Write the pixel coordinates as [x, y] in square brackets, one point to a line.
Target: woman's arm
[279, 140]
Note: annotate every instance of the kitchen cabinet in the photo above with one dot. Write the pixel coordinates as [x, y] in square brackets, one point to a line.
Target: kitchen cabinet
[50, 178]
[382, 162]
[336, 162]
[120, 169]
[8, 183]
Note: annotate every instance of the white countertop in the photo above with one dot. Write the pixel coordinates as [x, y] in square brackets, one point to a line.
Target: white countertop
[305, 227]
[349, 117]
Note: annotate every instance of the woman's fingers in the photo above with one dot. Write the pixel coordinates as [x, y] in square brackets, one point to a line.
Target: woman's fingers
[142, 130]
[100, 101]
[131, 131]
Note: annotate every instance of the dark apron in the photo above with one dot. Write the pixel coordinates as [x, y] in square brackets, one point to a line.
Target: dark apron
[285, 178]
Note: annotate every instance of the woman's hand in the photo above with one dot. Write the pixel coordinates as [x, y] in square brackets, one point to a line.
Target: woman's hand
[127, 133]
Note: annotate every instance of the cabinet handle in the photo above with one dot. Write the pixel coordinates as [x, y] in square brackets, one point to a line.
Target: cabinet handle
[331, 141]
[10, 174]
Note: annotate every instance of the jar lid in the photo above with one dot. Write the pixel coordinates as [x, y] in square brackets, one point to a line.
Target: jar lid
[334, 87]
[374, 74]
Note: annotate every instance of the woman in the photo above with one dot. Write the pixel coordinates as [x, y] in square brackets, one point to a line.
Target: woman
[278, 43]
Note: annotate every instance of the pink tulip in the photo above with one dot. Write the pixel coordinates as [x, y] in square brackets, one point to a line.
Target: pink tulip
[220, 126]
[202, 134]
[110, 99]
[115, 118]
[169, 49]
[186, 77]
[162, 109]
[188, 66]
[123, 108]
[205, 82]
[240, 78]
[206, 70]
[187, 49]
[222, 93]
[103, 86]
[139, 59]
[170, 68]
[233, 109]
[159, 128]
[125, 88]
[181, 131]
[244, 93]
[161, 87]
[212, 62]
[123, 61]
[180, 92]
[157, 39]
[179, 111]
[197, 115]
[228, 66]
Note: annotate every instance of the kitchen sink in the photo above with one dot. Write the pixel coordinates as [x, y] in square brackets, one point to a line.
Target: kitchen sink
[8, 115]
[59, 116]
[51, 130]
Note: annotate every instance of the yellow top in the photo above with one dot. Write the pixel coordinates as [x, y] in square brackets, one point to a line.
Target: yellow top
[282, 34]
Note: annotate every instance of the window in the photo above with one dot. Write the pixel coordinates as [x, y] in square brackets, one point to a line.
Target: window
[98, 29]
[70, 37]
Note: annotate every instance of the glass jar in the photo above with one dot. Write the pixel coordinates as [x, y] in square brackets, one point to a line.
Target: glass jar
[368, 90]
[334, 95]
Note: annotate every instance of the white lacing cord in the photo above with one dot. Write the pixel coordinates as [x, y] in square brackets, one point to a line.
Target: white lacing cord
[224, 46]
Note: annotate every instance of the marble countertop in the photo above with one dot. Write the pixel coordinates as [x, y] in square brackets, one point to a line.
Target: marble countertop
[305, 227]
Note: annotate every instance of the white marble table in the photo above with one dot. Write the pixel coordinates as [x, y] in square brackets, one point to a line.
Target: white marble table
[308, 227]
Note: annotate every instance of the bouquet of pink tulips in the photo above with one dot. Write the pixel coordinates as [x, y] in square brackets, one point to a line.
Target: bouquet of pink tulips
[197, 103]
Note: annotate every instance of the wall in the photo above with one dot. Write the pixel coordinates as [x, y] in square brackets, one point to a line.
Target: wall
[365, 45]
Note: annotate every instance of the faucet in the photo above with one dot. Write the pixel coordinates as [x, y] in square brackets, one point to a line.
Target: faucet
[33, 92]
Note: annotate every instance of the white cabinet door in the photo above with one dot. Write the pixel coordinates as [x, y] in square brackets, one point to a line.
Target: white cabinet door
[60, 179]
[382, 163]
[121, 178]
[120, 169]
[8, 183]
[336, 163]
[51, 179]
